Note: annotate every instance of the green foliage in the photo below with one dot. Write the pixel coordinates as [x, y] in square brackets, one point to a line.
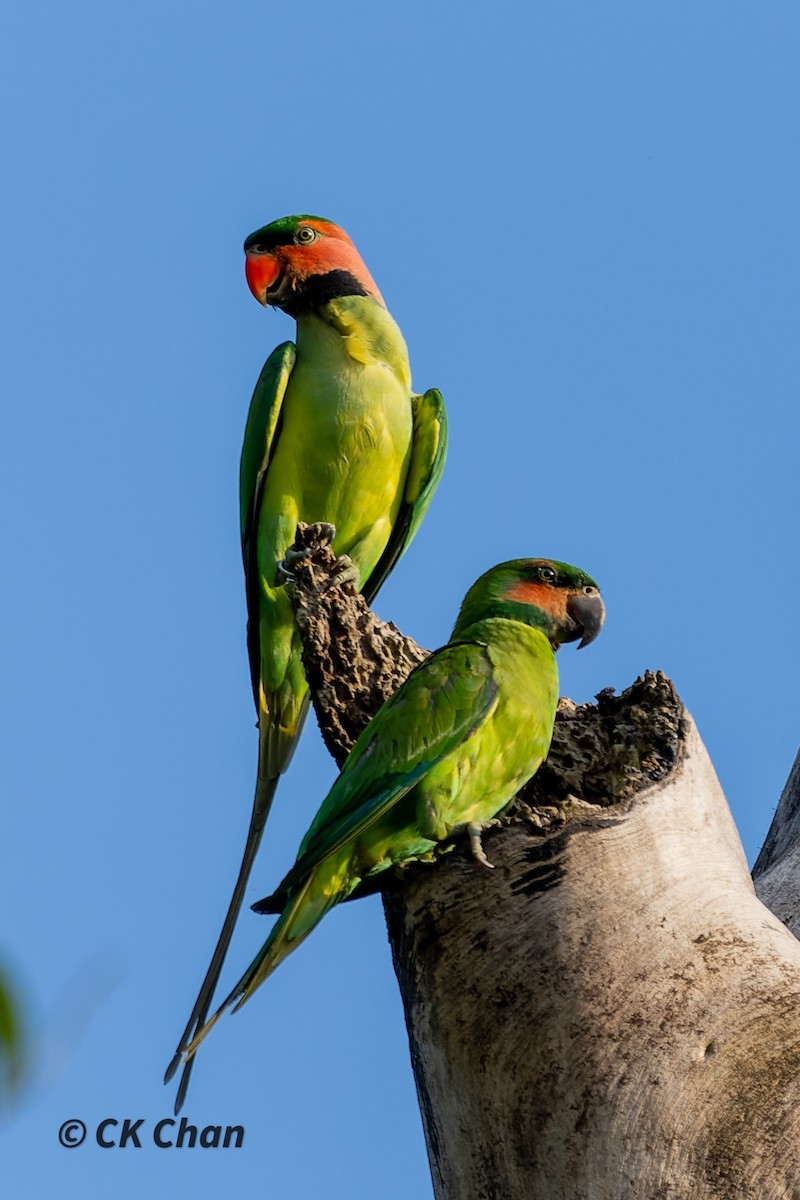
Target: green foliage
[11, 1041]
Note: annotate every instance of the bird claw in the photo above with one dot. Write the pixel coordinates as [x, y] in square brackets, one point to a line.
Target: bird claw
[283, 574]
[322, 533]
[345, 574]
[474, 831]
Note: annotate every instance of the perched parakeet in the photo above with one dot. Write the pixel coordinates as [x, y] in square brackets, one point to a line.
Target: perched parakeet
[334, 434]
[444, 754]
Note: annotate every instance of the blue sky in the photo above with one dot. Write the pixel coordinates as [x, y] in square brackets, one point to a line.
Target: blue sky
[584, 218]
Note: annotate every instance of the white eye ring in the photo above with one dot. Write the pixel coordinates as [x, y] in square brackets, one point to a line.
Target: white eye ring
[305, 235]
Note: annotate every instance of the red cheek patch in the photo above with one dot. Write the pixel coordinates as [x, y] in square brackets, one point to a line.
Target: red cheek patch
[261, 271]
[550, 599]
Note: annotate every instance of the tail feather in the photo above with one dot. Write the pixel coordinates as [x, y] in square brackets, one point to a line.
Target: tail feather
[265, 793]
[302, 913]
[281, 735]
[276, 746]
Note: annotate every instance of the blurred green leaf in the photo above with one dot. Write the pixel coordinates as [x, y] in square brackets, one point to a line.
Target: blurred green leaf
[11, 1040]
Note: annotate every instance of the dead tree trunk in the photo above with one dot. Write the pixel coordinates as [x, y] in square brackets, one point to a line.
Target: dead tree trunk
[777, 869]
[611, 1012]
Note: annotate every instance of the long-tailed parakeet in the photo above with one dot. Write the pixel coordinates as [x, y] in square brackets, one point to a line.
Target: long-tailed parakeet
[334, 434]
[444, 754]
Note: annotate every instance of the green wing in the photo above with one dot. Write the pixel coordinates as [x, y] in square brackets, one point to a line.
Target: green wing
[441, 704]
[428, 452]
[260, 436]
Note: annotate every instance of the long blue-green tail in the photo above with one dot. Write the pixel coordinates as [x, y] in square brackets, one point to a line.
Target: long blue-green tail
[275, 751]
[265, 793]
[304, 910]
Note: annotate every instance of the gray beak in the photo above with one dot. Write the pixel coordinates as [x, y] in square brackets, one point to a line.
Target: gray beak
[588, 611]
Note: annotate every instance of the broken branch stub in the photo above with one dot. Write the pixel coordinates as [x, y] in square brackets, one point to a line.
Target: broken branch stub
[353, 660]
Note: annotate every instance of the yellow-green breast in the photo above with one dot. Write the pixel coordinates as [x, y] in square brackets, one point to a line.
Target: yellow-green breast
[345, 441]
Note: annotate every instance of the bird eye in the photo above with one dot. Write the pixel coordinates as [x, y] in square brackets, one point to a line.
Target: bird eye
[305, 235]
[547, 574]
[257, 249]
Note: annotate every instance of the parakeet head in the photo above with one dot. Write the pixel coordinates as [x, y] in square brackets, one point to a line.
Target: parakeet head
[562, 601]
[298, 263]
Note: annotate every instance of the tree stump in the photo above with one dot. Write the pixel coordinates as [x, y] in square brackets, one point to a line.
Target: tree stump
[611, 1012]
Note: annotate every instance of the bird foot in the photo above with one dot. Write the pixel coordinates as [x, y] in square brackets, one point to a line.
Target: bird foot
[321, 534]
[474, 831]
[344, 574]
[282, 572]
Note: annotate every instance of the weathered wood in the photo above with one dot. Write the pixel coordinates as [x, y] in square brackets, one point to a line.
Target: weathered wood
[777, 869]
[611, 1012]
[353, 660]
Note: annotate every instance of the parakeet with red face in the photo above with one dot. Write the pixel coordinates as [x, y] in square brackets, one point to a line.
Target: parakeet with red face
[334, 434]
[444, 754]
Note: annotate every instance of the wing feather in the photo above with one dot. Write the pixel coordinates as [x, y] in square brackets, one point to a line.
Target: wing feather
[428, 452]
[444, 701]
[260, 437]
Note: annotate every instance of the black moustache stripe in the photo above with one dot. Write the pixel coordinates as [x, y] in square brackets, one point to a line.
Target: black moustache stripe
[319, 289]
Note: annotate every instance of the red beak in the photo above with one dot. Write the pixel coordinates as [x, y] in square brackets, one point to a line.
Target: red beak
[261, 271]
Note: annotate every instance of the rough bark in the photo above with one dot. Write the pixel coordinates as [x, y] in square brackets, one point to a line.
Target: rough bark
[611, 1012]
[777, 869]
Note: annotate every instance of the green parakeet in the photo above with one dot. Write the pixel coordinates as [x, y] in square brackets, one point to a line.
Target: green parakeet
[444, 754]
[334, 434]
